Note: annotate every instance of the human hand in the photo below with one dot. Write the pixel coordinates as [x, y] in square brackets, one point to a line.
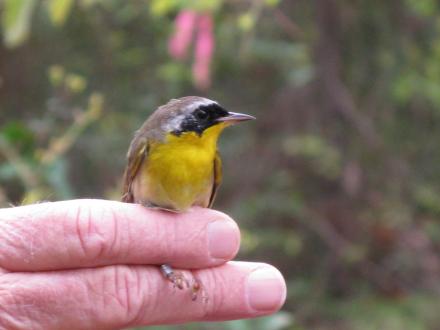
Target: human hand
[87, 264]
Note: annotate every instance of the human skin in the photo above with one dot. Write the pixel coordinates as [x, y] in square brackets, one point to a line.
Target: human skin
[89, 264]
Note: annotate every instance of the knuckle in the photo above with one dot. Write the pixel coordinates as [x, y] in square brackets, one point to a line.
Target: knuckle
[96, 232]
[90, 240]
[124, 289]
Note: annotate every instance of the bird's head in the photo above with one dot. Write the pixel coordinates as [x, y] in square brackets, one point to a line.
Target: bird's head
[194, 114]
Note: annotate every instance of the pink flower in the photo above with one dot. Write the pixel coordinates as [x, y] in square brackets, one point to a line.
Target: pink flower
[183, 30]
[203, 52]
[179, 42]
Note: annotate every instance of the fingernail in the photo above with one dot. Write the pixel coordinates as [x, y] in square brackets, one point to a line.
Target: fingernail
[266, 289]
[223, 239]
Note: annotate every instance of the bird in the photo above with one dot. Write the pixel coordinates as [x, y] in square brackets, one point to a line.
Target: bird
[173, 162]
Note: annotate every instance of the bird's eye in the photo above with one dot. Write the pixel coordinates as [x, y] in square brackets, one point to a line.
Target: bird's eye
[201, 114]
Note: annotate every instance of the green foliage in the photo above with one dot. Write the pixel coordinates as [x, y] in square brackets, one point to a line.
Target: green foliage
[428, 199]
[16, 21]
[43, 171]
[19, 135]
[423, 7]
[58, 10]
[160, 8]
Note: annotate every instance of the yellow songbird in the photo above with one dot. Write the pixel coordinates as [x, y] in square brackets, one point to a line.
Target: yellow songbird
[173, 162]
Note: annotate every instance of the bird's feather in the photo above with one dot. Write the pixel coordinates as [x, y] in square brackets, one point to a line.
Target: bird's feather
[217, 178]
[137, 154]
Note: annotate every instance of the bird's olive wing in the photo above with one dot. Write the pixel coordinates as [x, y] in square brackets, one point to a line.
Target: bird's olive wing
[136, 155]
[217, 178]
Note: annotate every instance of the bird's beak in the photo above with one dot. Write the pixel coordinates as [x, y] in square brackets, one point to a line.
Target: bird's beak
[235, 117]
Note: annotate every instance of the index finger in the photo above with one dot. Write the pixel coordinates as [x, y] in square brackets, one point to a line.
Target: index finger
[90, 233]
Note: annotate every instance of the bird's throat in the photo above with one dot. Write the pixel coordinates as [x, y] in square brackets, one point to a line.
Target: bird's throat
[208, 139]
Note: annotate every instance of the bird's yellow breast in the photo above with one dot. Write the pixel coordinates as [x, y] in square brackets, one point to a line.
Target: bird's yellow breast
[178, 172]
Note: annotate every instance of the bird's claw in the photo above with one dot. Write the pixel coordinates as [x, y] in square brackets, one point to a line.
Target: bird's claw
[196, 289]
[179, 281]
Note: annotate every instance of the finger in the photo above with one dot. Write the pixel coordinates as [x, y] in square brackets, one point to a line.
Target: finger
[116, 297]
[88, 233]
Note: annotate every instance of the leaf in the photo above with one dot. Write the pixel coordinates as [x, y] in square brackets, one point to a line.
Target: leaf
[201, 5]
[75, 83]
[160, 8]
[58, 11]
[246, 21]
[16, 20]
[271, 3]
[19, 135]
[423, 7]
[56, 75]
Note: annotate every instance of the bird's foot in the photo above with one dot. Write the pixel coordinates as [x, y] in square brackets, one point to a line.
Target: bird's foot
[177, 278]
[197, 289]
[181, 282]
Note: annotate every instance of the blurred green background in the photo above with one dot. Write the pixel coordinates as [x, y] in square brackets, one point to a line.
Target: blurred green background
[336, 183]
